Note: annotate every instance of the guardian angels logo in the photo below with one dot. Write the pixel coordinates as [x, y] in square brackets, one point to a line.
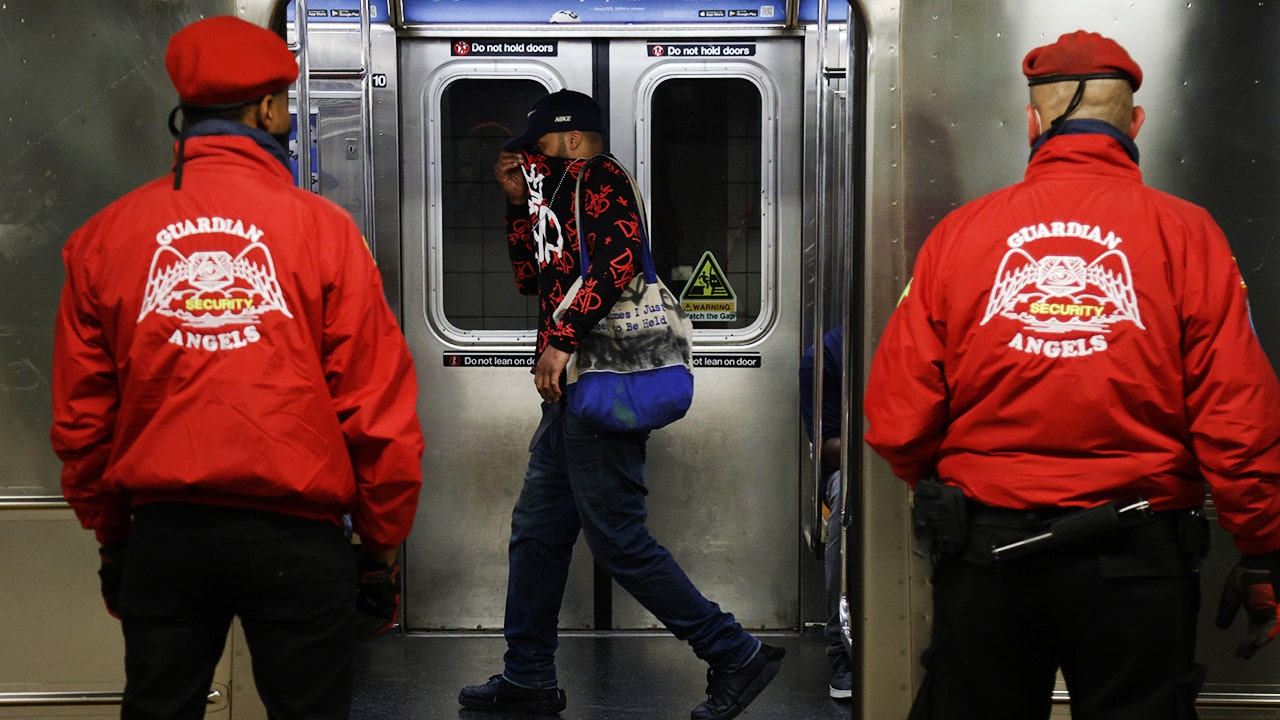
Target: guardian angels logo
[221, 298]
[1059, 294]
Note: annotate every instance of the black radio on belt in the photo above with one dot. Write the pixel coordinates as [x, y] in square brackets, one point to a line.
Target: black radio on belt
[939, 517]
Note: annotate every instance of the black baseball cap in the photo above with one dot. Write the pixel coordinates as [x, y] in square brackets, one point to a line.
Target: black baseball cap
[560, 111]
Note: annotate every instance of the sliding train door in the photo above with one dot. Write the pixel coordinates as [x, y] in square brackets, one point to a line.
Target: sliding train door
[471, 333]
[712, 133]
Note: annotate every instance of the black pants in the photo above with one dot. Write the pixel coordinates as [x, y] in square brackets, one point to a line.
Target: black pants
[1119, 620]
[189, 569]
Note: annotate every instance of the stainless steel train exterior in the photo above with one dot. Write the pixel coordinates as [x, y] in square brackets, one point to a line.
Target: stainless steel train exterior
[796, 156]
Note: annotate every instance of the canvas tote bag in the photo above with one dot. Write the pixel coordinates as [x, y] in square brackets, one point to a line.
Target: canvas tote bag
[634, 370]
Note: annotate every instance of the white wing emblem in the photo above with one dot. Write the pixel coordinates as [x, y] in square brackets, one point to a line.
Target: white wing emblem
[1061, 293]
[1017, 271]
[210, 289]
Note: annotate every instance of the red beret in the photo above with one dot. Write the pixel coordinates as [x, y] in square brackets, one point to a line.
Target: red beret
[1080, 53]
[224, 60]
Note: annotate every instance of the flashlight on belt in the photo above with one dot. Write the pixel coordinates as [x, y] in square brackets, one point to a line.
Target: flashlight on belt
[1080, 528]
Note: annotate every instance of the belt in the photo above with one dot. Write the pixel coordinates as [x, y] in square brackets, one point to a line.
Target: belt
[1022, 532]
[1040, 518]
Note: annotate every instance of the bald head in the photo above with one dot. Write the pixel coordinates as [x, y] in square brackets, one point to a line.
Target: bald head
[1106, 99]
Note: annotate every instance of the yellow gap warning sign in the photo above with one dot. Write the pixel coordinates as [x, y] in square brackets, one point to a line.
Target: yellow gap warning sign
[708, 295]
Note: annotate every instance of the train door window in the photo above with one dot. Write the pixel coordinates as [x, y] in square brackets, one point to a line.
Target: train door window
[476, 116]
[706, 192]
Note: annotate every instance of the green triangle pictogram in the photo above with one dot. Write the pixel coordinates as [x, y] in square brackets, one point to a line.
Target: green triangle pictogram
[708, 282]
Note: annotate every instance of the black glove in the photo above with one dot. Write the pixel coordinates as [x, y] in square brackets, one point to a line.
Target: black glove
[377, 595]
[1252, 583]
[110, 575]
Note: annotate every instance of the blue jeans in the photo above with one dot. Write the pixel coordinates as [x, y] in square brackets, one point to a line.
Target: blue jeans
[579, 479]
[833, 561]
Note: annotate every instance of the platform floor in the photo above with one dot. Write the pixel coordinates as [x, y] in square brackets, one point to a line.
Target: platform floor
[615, 676]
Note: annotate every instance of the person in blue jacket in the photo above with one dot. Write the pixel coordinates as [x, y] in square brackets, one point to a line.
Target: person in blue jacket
[841, 685]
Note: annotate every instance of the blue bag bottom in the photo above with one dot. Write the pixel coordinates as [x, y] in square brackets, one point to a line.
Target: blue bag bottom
[644, 400]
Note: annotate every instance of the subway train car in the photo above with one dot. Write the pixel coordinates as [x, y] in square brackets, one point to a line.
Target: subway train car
[793, 155]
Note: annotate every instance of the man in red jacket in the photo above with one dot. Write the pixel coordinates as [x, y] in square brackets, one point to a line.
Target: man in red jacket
[228, 385]
[1070, 364]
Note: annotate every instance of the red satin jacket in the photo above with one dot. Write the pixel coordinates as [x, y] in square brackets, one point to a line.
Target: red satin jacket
[1077, 338]
[229, 343]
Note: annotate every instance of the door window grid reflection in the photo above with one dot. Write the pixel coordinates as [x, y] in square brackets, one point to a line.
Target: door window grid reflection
[706, 182]
[704, 195]
[476, 117]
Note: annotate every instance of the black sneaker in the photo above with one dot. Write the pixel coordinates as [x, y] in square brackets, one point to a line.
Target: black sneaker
[501, 696]
[841, 685]
[729, 693]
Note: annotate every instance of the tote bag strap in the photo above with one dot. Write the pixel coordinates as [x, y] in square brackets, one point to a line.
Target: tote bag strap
[584, 264]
